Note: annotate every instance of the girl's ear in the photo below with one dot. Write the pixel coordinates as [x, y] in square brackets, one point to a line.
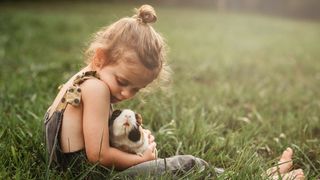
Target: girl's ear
[100, 58]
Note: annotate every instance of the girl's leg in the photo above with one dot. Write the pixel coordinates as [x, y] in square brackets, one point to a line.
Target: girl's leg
[176, 165]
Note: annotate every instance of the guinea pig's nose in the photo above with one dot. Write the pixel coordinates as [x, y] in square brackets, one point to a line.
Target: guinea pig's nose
[126, 124]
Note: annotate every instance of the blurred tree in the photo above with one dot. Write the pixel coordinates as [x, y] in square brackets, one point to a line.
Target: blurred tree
[293, 8]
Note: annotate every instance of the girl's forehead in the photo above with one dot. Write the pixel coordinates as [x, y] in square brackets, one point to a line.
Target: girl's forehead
[136, 72]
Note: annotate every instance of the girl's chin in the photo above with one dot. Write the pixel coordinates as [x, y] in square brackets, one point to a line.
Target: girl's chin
[114, 100]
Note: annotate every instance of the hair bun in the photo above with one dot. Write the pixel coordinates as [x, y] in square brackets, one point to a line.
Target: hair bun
[146, 14]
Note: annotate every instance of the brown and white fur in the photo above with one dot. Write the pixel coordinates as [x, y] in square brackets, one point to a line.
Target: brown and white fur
[126, 133]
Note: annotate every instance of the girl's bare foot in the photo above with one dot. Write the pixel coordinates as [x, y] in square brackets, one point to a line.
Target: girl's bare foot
[296, 174]
[281, 171]
[292, 175]
[284, 165]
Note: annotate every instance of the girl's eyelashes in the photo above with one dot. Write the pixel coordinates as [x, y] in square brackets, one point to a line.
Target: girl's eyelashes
[122, 82]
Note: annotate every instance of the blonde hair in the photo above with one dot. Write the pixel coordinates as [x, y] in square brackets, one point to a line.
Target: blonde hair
[133, 34]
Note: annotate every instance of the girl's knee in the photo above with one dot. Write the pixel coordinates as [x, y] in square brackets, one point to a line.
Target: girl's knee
[188, 162]
[195, 160]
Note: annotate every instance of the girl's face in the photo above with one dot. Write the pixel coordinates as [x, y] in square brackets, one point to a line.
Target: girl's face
[125, 79]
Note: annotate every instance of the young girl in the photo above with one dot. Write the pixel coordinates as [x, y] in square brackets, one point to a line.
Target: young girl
[123, 58]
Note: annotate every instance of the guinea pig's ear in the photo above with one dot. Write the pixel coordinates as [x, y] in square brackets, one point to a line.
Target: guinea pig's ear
[139, 119]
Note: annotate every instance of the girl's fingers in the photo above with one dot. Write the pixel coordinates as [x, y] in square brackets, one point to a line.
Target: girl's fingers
[153, 146]
[148, 132]
[150, 136]
[151, 139]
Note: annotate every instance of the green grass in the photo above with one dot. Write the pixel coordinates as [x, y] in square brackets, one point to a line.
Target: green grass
[239, 82]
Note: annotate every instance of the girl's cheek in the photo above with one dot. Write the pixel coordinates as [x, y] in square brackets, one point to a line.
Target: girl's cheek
[114, 87]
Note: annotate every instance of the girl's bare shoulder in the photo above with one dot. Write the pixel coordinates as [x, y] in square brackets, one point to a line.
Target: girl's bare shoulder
[95, 89]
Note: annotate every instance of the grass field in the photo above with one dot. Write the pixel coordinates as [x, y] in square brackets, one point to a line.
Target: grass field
[244, 86]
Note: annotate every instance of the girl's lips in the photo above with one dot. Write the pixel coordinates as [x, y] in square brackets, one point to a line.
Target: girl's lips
[114, 99]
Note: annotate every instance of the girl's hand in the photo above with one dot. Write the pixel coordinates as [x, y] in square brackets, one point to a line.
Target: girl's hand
[150, 136]
[150, 153]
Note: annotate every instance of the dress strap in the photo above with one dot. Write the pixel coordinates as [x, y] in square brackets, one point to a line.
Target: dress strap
[73, 93]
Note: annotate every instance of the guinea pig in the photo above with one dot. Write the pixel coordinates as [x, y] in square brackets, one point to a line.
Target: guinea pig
[126, 133]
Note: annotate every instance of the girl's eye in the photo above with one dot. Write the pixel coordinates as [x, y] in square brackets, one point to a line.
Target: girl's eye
[122, 82]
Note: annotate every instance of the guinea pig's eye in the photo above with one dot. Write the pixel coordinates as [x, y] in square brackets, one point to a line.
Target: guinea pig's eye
[116, 113]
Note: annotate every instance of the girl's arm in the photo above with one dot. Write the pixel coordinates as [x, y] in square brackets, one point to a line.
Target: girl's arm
[96, 107]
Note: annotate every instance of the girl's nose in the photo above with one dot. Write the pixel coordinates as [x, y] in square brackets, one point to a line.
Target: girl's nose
[126, 94]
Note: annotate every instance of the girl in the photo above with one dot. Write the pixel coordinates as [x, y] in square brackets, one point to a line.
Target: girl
[122, 59]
